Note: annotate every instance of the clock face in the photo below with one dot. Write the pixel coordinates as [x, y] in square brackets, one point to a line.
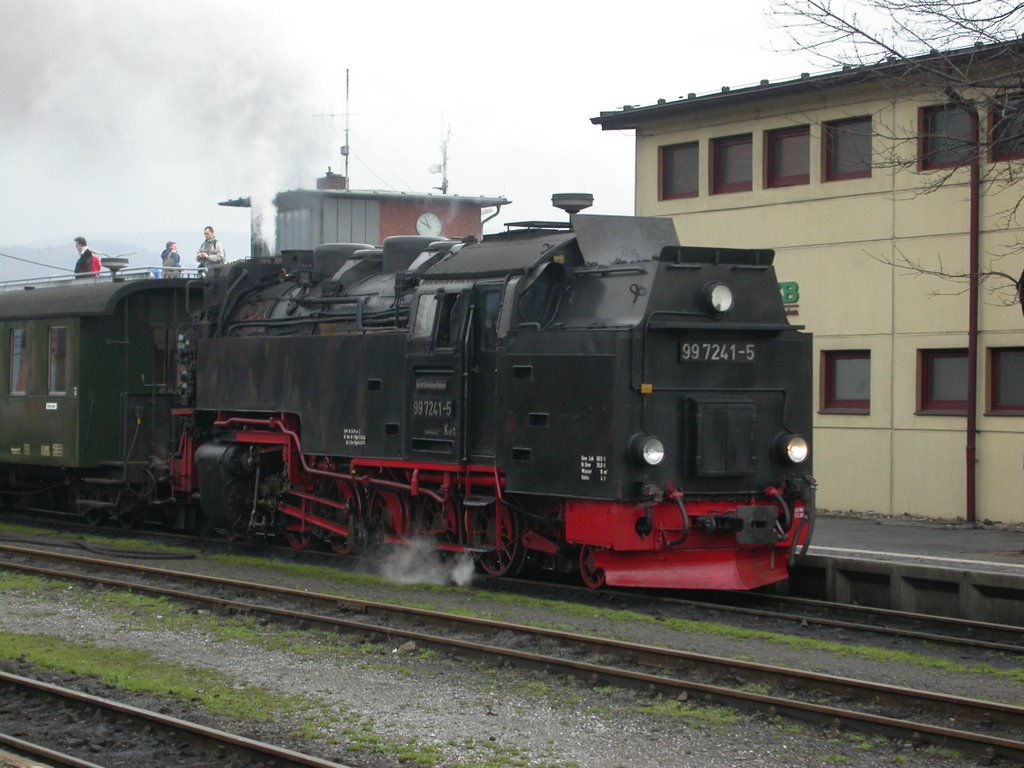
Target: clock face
[428, 224]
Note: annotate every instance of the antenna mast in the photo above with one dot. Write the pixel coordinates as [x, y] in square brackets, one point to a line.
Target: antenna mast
[443, 168]
[344, 149]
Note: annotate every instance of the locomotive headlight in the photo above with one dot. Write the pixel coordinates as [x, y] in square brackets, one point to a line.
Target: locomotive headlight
[792, 447]
[646, 449]
[717, 297]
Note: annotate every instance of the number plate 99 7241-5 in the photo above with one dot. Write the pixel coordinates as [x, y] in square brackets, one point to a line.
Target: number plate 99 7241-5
[717, 352]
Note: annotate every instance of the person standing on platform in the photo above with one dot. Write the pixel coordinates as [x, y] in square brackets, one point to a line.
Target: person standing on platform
[88, 265]
[170, 260]
[210, 252]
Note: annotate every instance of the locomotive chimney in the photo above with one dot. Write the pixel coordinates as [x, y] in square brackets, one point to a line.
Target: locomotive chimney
[572, 202]
[332, 181]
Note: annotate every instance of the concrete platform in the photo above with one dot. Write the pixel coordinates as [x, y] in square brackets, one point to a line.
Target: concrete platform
[952, 570]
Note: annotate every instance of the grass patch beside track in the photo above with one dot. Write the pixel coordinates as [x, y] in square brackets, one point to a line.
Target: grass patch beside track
[139, 672]
[72, 540]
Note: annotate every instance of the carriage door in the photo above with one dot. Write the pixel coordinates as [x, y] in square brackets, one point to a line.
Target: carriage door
[435, 381]
[481, 365]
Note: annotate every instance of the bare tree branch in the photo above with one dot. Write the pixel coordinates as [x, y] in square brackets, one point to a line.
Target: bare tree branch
[966, 53]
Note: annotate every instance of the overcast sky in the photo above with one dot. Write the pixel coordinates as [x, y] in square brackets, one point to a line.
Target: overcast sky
[128, 116]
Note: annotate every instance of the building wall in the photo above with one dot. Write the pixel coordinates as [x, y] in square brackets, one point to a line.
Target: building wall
[345, 220]
[309, 218]
[842, 242]
[458, 219]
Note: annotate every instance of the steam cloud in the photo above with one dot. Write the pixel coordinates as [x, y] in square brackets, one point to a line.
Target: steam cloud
[116, 111]
[418, 563]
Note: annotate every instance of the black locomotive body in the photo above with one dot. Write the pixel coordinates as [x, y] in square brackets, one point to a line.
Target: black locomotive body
[594, 397]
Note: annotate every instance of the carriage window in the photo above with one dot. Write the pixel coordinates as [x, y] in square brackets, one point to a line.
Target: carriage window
[423, 323]
[19, 361]
[58, 382]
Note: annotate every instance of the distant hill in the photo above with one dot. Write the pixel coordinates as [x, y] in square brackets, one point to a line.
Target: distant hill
[48, 258]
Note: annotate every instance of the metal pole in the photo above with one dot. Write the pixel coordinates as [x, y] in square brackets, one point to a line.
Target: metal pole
[972, 320]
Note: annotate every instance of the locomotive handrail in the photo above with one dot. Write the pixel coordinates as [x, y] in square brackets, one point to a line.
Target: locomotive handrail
[605, 271]
[123, 275]
[658, 325]
[663, 325]
[692, 266]
[280, 426]
[467, 348]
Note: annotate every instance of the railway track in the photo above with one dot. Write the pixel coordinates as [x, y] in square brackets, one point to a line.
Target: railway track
[940, 630]
[918, 626]
[120, 734]
[983, 728]
[886, 623]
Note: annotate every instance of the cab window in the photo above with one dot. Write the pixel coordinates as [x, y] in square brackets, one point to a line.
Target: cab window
[490, 304]
[449, 320]
[423, 323]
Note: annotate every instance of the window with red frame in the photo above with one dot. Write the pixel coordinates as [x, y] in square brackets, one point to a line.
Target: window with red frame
[1008, 129]
[848, 149]
[945, 137]
[1006, 380]
[942, 380]
[679, 171]
[787, 156]
[731, 164]
[846, 381]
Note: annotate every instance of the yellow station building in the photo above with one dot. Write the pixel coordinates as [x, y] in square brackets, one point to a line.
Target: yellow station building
[861, 180]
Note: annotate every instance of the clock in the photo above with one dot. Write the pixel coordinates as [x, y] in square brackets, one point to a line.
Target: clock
[428, 224]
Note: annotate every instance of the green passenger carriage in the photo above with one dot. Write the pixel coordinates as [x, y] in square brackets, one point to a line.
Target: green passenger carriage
[87, 383]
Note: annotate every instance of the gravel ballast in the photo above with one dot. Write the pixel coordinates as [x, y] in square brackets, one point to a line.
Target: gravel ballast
[372, 704]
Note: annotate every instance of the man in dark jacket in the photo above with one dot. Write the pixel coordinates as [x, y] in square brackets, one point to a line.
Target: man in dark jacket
[87, 265]
[170, 259]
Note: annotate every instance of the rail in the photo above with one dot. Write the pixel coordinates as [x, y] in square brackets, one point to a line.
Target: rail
[983, 728]
[121, 275]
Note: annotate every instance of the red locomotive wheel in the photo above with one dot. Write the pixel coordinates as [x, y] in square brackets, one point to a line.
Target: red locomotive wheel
[299, 538]
[390, 511]
[342, 491]
[592, 576]
[508, 555]
[130, 517]
[341, 545]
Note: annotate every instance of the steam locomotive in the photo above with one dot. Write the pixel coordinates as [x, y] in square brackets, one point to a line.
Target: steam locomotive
[590, 397]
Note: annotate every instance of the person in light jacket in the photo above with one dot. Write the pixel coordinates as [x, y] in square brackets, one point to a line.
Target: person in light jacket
[210, 252]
